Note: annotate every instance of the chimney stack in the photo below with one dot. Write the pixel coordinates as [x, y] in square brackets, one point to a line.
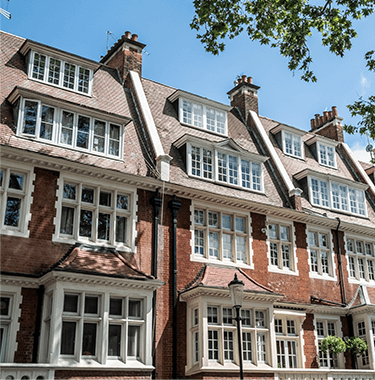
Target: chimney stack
[125, 54]
[244, 95]
[328, 125]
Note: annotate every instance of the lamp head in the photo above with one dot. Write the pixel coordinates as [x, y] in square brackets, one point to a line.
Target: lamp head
[236, 288]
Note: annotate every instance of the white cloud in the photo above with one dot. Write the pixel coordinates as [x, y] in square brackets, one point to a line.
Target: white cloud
[360, 153]
[365, 83]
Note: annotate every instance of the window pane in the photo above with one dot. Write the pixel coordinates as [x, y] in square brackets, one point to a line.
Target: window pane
[67, 220]
[213, 245]
[114, 340]
[1, 178]
[121, 229]
[83, 132]
[240, 224]
[115, 306]
[104, 226]
[134, 308]
[4, 306]
[87, 195]
[122, 202]
[69, 191]
[83, 80]
[54, 71]
[16, 181]
[12, 212]
[199, 217]
[199, 242]
[133, 340]
[68, 337]
[233, 170]
[46, 125]
[89, 339]
[71, 303]
[91, 305]
[213, 219]
[67, 128]
[39, 65]
[114, 148]
[99, 136]
[105, 199]
[226, 220]
[69, 74]
[85, 223]
[29, 117]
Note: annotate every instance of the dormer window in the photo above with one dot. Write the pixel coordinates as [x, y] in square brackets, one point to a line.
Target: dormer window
[221, 163]
[292, 144]
[334, 192]
[60, 73]
[290, 140]
[326, 155]
[201, 112]
[324, 150]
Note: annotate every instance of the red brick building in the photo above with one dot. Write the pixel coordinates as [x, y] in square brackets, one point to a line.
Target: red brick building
[127, 207]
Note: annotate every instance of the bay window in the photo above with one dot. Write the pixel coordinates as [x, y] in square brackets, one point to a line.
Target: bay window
[60, 73]
[223, 167]
[62, 127]
[221, 236]
[337, 196]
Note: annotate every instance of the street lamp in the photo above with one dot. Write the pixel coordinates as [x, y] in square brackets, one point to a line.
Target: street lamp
[236, 291]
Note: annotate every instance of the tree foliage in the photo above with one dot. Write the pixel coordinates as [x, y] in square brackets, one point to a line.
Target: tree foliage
[287, 25]
[332, 344]
[356, 346]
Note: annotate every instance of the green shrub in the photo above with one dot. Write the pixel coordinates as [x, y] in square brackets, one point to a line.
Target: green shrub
[332, 344]
[356, 345]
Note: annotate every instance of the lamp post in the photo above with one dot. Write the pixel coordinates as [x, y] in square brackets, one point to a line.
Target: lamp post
[236, 291]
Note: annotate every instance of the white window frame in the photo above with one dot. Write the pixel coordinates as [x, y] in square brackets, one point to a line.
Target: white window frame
[61, 74]
[10, 323]
[322, 148]
[50, 348]
[353, 258]
[329, 186]
[199, 120]
[57, 133]
[202, 303]
[77, 205]
[280, 268]
[331, 275]
[221, 231]
[201, 172]
[296, 139]
[25, 195]
[338, 332]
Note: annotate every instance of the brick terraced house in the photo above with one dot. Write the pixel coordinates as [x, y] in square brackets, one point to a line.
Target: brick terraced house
[127, 207]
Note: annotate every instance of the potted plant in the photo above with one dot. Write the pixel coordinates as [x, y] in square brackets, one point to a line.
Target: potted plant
[332, 344]
[357, 347]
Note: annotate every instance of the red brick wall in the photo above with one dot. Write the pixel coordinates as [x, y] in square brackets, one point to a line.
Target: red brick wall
[309, 348]
[27, 320]
[245, 102]
[333, 132]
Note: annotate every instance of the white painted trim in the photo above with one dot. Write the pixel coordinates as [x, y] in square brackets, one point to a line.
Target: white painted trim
[276, 159]
[147, 115]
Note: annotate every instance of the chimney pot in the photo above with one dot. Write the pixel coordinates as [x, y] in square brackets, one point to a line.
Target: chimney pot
[325, 115]
[312, 122]
[127, 35]
[239, 80]
[250, 80]
[334, 111]
[135, 37]
[244, 78]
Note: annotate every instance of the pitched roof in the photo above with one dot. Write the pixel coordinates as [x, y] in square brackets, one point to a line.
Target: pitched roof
[87, 259]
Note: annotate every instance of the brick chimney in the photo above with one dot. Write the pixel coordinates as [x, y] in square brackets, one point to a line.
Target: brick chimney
[328, 125]
[244, 96]
[126, 55]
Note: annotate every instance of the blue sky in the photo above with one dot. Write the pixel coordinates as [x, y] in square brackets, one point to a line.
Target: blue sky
[175, 57]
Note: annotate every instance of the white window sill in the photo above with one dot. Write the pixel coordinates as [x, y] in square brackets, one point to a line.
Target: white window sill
[282, 271]
[93, 363]
[214, 366]
[11, 232]
[322, 276]
[362, 282]
[225, 263]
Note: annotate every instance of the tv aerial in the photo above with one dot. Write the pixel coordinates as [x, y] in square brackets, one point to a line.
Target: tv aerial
[4, 12]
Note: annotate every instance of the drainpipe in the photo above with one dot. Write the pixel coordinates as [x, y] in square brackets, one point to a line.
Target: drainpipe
[156, 202]
[174, 205]
[38, 323]
[342, 284]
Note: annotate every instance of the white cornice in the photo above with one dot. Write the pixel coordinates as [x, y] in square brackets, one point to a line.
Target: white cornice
[97, 280]
[25, 282]
[248, 295]
[321, 139]
[287, 128]
[151, 184]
